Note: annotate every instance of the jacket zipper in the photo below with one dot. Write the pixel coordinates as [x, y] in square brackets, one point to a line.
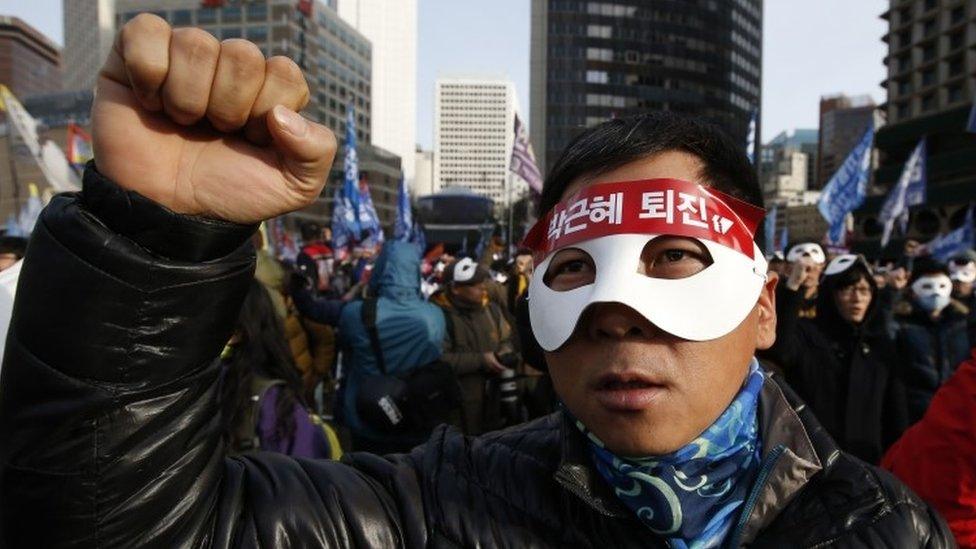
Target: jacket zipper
[764, 470]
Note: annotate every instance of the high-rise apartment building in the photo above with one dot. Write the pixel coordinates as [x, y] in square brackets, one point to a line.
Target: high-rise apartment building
[89, 31]
[843, 121]
[592, 61]
[29, 61]
[931, 84]
[473, 136]
[391, 27]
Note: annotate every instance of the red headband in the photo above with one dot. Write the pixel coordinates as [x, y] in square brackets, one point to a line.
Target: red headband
[652, 206]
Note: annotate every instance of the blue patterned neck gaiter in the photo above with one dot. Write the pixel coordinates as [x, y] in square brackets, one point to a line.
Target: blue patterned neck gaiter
[693, 496]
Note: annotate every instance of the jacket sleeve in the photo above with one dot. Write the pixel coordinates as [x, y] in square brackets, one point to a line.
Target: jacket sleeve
[109, 423]
[319, 309]
[788, 348]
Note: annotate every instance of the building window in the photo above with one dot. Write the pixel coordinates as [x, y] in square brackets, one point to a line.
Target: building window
[954, 93]
[928, 77]
[930, 4]
[929, 28]
[182, 18]
[230, 32]
[956, 66]
[928, 102]
[904, 87]
[599, 54]
[928, 52]
[905, 38]
[206, 15]
[257, 33]
[257, 12]
[231, 14]
[599, 31]
[596, 77]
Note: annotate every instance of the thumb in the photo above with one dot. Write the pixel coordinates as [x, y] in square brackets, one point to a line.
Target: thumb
[307, 148]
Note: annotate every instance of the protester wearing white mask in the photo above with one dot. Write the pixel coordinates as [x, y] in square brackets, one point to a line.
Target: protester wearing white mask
[962, 271]
[806, 263]
[932, 333]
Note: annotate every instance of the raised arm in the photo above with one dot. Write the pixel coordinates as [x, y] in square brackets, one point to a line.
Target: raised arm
[109, 423]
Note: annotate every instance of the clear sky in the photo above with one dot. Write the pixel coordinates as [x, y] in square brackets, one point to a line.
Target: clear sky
[811, 48]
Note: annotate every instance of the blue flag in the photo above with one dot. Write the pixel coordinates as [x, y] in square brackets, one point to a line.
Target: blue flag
[784, 238]
[947, 246]
[846, 190]
[771, 229]
[404, 218]
[342, 221]
[369, 221]
[751, 138]
[910, 190]
[351, 181]
[971, 125]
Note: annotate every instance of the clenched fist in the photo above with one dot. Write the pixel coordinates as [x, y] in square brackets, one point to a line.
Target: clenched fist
[205, 127]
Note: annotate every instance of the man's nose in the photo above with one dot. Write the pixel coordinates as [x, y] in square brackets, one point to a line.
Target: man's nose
[616, 321]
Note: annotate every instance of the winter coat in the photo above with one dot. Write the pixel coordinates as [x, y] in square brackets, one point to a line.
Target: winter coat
[109, 428]
[410, 330]
[937, 456]
[847, 374]
[472, 332]
[932, 348]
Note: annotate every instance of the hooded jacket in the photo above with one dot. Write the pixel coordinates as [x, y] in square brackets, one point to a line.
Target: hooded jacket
[932, 348]
[847, 374]
[410, 330]
[109, 428]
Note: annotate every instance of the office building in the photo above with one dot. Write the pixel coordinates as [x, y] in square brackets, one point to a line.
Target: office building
[787, 164]
[843, 120]
[29, 61]
[592, 61]
[423, 178]
[89, 32]
[473, 135]
[391, 27]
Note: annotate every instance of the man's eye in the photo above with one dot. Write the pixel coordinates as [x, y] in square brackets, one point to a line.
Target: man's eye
[673, 256]
[572, 267]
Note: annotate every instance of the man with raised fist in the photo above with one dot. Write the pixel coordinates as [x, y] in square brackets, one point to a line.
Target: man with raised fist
[672, 434]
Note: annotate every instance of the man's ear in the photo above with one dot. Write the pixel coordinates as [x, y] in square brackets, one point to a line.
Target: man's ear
[766, 329]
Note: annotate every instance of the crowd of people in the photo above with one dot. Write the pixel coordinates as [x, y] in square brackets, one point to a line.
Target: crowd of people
[640, 374]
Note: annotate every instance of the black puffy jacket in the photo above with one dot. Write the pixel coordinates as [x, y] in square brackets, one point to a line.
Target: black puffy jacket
[109, 428]
[848, 375]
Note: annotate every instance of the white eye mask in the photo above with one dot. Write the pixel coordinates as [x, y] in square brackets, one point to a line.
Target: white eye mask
[934, 285]
[706, 305]
[843, 262]
[965, 273]
[612, 223]
[809, 251]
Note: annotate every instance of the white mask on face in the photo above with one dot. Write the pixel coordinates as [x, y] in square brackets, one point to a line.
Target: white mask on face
[843, 262]
[965, 272]
[706, 305]
[808, 251]
[933, 292]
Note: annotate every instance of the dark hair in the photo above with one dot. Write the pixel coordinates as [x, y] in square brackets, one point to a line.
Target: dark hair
[927, 265]
[311, 232]
[852, 276]
[13, 245]
[261, 350]
[623, 140]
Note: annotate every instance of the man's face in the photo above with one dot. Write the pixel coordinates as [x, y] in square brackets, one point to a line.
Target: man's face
[523, 265]
[470, 294]
[853, 301]
[7, 260]
[683, 385]
[813, 277]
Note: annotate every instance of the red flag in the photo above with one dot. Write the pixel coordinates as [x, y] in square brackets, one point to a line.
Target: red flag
[305, 7]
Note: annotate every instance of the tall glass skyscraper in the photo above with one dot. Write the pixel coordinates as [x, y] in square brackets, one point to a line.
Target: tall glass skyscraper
[592, 61]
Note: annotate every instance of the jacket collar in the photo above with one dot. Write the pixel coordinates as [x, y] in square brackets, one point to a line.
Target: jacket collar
[795, 448]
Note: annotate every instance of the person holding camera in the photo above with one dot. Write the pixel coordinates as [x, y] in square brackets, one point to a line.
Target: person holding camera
[478, 345]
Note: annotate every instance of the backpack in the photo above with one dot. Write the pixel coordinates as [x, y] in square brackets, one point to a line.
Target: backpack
[416, 400]
[246, 437]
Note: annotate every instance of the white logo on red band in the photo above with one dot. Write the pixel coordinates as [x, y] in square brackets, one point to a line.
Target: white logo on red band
[653, 206]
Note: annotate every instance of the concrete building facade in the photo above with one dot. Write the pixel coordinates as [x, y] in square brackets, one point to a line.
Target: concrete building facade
[787, 164]
[30, 62]
[473, 136]
[843, 120]
[592, 61]
[423, 178]
[391, 27]
[89, 31]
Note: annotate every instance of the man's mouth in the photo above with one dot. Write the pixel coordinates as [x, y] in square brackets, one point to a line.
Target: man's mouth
[627, 391]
